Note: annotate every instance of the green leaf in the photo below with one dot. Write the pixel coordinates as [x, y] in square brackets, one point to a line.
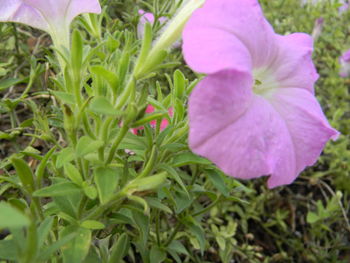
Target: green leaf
[7, 83]
[73, 173]
[119, 249]
[101, 105]
[154, 202]
[8, 250]
[107, 75]
[312, 218]
[49, 251]
[157, 255]
[76, 249]
[179, 84]
[39, 173]
[188, 158]
[77, 51]
[177, 246]
[65, 156]
[90, 191]
[24, 173]
[92, 224]
[10, 217]
[197, 231]
[87, 145]
[59, 189]
[218, 182]
[173, 173]
[106, 180]
[142, 222]
[64, 97]
[148, 183]
[44, 230]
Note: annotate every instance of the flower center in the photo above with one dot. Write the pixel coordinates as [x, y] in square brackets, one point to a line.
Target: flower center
[265, 81]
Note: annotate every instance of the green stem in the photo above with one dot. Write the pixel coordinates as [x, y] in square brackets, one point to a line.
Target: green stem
[206, 209]
[150, 164]
[173, 234]
[121, 134]
[125, 96]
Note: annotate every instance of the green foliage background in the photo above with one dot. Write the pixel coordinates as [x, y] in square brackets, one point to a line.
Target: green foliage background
[197, 215]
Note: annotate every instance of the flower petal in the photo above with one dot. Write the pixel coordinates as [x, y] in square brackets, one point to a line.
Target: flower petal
[19, 12]
[64, 10]
[307, 125]
[228, 34]
[238, 131]
[293, 66]
[44, 14]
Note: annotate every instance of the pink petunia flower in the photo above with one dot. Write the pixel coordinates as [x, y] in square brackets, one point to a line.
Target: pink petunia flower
[149, 17]
[255, 112]
[345, 64]
[164, 123]
[144, 18]
[316, 32]
[52, 16]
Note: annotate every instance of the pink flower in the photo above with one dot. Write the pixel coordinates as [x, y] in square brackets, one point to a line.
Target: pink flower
[52, 16]
[149, 17]
[146, 17]
[255, 114]
[164, 123]
[316, 32]
[345, 64]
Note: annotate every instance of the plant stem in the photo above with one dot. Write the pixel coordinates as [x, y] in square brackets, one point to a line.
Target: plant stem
[121, 134]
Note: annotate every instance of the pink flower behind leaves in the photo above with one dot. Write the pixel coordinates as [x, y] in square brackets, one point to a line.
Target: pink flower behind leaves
[149, 17]
[345, 64]
[164, 123]
[255, 112]
[146, 17]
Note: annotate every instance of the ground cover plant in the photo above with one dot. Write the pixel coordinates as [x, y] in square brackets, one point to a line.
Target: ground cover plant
[103, 109]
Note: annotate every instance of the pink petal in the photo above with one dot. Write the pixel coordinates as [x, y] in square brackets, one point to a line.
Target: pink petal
[307, 125]
[240, 132]
[46, 14]
[17, 11]
[293, 66]
[228, 34]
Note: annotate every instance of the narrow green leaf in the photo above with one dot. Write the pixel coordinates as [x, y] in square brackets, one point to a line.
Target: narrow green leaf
[64, 97]
[8, 250]
[90, 191]
[44, 230]
[76, 249]
[148, 183]
[177, 246]
[11, 217]
[101, 105]
[59, 189]
[39, 173]
[77, 51]
[24, 173]
[87, 145]
[73, 173]
[179, 84]
[7, 83]
[107, 75]
[188, 158]
[218, 182]
[119, 249]
[106, 180]
[92, 224]
[157, 255]
[49, 251]
[65, 156]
